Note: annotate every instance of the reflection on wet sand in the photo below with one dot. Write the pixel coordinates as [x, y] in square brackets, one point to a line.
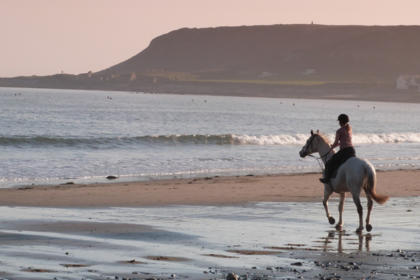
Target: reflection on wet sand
[284, 239]
[340, 235]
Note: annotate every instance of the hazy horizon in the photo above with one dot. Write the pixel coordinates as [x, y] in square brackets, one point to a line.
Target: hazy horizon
[44, 37]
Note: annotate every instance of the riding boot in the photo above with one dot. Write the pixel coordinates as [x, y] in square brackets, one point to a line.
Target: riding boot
[326, 178]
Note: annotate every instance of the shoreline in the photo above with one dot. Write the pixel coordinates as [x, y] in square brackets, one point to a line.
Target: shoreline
[229, 190]
[254, 91]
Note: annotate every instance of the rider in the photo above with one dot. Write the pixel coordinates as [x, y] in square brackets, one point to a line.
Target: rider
[343, 139]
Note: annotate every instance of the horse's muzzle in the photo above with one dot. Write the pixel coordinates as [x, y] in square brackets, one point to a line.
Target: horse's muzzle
[302, 154]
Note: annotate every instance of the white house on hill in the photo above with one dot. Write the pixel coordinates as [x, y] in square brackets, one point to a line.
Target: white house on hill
[408, 82]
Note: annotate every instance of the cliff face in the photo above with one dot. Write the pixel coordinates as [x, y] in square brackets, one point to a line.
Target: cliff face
[283, 51]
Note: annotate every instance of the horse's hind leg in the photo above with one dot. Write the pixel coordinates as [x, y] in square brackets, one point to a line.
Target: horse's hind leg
[356, 200]
[369, 205]
[339, 225]
[327, 194]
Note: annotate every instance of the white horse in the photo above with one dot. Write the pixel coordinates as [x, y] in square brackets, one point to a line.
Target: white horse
[352, 176]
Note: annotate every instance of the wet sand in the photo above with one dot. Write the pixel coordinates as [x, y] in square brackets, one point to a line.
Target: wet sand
[258, 227]
[264, 240]
[207, 191]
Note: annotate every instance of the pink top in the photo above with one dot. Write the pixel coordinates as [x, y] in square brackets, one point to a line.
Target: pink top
[343, 137]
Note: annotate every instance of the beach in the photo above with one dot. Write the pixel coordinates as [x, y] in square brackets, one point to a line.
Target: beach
[204, 187]
[199, 156]
[256, 227]
[200, 191]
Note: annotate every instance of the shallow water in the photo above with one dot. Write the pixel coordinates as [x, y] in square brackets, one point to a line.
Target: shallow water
[207, 236]
[55, 136]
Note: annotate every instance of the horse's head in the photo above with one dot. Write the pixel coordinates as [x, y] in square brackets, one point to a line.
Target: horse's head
[311, 145]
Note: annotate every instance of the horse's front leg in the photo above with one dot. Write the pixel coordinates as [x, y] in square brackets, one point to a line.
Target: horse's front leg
[339, 225]
[327, 194]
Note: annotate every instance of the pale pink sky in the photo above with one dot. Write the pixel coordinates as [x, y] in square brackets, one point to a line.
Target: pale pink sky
[40, 37]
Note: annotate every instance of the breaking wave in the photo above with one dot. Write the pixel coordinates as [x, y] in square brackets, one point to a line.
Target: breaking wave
[300, 139]
[222, 139]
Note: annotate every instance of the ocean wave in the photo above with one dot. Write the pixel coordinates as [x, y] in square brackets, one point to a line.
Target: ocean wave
[384, 138]
[103, 142]
[300, 139]
[221, 139]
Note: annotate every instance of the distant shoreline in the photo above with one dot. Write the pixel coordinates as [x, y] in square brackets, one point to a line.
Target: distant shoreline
[379, 94]
[340, 62]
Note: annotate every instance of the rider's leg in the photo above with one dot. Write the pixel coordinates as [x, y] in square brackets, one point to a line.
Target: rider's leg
[329, 168]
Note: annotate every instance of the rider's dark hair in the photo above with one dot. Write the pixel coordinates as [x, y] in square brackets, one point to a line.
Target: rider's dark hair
[343, 118]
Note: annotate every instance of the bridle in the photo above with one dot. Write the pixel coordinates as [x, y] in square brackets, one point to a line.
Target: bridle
[320, 158]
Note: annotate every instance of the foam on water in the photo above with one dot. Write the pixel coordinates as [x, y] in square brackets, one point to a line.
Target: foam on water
[300, 139]
[224, 139]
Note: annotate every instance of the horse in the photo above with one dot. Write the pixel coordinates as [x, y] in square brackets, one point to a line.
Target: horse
[352, 176]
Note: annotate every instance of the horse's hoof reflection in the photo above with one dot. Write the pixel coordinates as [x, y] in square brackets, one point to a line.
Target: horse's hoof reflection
[331, 220]
[368, 227]
[343, 239]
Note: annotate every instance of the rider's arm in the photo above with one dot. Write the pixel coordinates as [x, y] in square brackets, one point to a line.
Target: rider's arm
[336, 141]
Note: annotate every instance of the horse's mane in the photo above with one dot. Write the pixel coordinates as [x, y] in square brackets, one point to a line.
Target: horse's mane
[324, 137]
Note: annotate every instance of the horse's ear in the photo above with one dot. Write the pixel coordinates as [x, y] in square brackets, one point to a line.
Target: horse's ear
[312, 132]
[317, 132]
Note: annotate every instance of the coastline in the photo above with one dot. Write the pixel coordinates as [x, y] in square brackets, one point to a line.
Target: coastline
[215, 190]
[369, 94]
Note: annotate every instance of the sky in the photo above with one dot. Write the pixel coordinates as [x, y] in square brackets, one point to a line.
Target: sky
[44, 37]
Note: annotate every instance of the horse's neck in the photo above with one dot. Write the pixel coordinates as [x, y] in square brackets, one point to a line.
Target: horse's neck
[325, 151]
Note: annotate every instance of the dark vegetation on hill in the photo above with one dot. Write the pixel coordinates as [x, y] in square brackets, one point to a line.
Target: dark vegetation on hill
[345, 53]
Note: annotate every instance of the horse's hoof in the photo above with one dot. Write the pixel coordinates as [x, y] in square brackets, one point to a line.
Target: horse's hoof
[359, 230]
[339, 227]
[331, 220]
[368, 227]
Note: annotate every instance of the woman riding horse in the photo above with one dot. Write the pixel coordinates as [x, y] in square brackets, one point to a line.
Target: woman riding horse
[353, 176]
[343, 139]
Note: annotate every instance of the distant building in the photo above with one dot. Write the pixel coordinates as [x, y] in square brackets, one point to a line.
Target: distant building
[309, 71]
[266, 75]
[408, 82]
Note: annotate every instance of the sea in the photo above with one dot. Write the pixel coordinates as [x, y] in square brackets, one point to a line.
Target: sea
[54, 136]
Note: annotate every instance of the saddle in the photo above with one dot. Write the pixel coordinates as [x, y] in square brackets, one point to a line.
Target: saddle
[335, 168]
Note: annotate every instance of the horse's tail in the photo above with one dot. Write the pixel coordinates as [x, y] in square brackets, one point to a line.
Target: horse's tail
[371, 184]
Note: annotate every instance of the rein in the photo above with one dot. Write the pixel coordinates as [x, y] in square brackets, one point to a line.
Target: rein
[322, 157]
[319, 160]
